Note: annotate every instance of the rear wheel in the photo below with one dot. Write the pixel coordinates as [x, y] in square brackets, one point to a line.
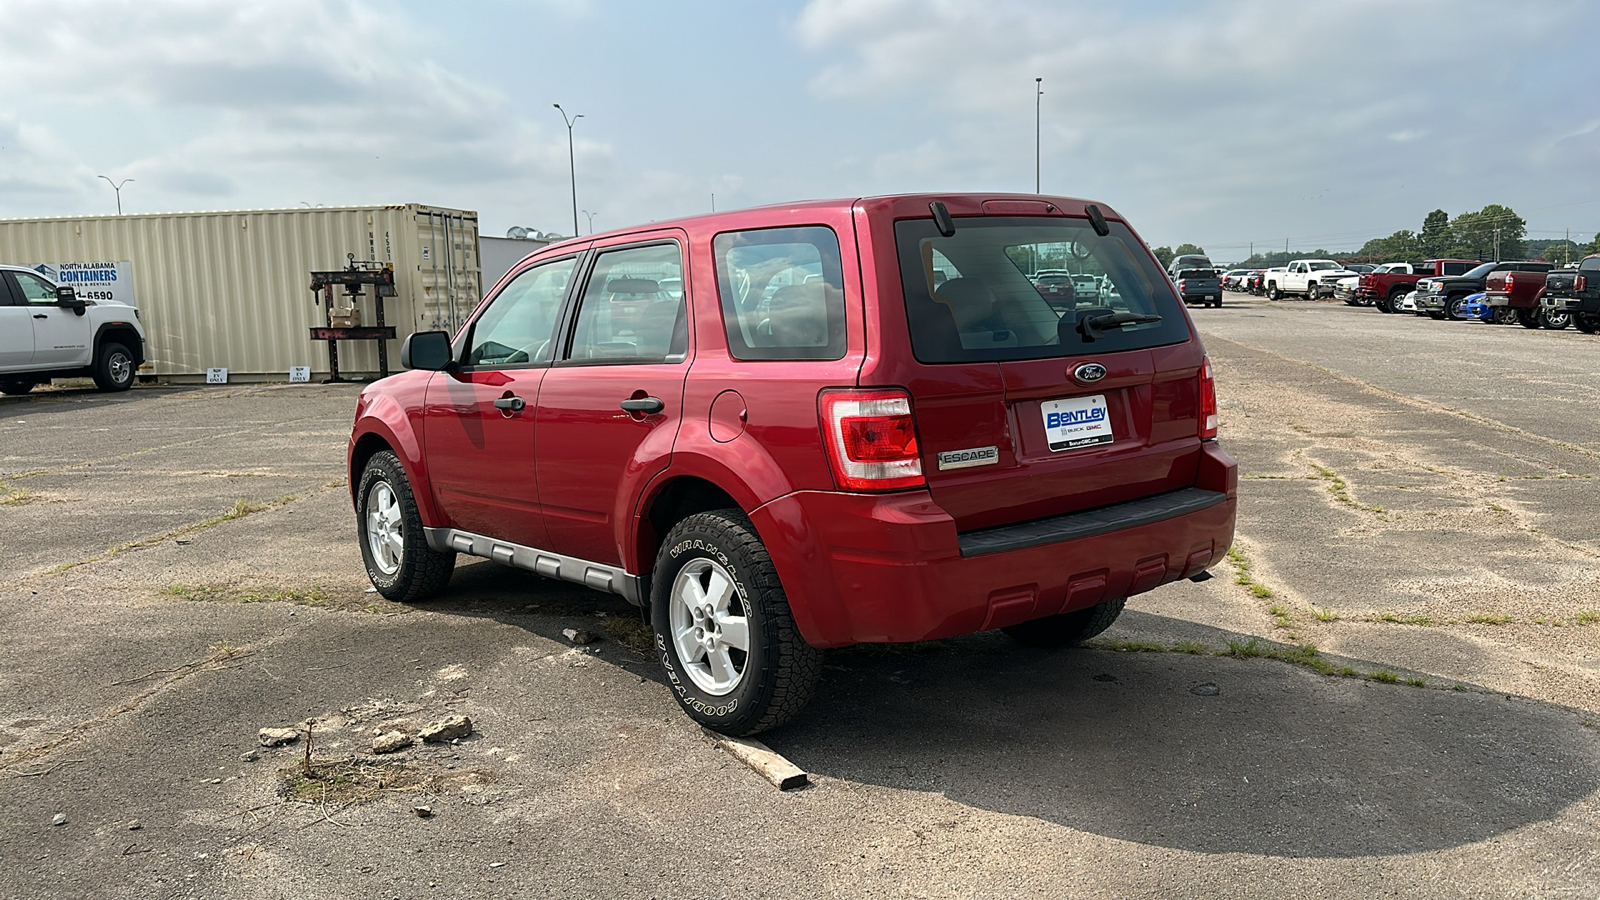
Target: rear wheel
[394, 548]
[1391, 303]
[1528, 318]
[1067, 629]
[15, 387]
[113, 367]
[1588, 323]
[1505, 315]
[734, 658]
[1555, 319]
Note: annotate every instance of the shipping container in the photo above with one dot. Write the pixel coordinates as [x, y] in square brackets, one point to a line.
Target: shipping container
[232, 289]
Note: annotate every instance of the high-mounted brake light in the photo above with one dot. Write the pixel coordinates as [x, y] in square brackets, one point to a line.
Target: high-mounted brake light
[871, 439]
[1208, 402]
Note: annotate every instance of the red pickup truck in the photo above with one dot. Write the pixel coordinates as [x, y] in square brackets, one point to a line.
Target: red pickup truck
[818, 424]
[1385, 290]
[1518, 297]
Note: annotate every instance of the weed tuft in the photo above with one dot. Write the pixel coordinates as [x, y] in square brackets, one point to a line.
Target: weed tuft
[1324, 614]
[1488, 619]
[1385, 676]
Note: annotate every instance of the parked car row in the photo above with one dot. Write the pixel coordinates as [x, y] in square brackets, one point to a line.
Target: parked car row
[1308, 278]
[1530, 293]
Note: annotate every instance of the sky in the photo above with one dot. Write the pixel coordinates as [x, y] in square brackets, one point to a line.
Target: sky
[1232, 124]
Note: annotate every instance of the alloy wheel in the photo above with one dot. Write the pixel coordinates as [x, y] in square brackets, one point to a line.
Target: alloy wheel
[709, 630]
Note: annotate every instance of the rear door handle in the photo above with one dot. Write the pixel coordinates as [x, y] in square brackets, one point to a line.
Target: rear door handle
[40, 316]
[515, 404]
[647, 405]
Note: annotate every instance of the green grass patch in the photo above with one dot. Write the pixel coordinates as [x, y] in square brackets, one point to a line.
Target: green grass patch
[1396, 619]
[1385, 676]
[1324, 614]
[1586, 617]
[1488, 619]
[631, 632]
[1416, 682]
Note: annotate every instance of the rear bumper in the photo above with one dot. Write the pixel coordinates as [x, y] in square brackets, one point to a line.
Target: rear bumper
[1573, 304]
[891, 567]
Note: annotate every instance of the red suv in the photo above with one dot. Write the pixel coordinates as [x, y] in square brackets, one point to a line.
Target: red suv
[806, 426]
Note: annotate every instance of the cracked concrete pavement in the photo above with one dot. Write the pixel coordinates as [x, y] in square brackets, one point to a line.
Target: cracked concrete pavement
[1418, 499]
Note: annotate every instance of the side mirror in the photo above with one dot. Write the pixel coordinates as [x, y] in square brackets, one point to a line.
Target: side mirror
[67, 298]
[429, 350]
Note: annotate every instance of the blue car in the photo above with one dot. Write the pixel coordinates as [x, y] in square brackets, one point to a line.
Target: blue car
[1475, 307]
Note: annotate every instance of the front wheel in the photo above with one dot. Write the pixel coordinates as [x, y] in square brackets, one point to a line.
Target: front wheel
[399, 561]
[113, 367]
[15, 387]
[1555, 319]
[1456, 307]
[733, 656]
[1067, 629]
[1273, 293]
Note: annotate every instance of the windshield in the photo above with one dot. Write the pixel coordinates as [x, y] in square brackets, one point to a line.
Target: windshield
[1481, 271]
[1323, 266]
[969, 297]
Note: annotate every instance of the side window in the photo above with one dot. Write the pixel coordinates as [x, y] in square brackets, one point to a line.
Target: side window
[1590, 264]
[782, 292]
[517, 327]
[35, 289]
[633, 308]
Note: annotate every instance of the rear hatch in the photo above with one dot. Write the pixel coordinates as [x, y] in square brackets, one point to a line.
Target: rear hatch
[1496, 284]
[1027, 407]
[1559, 283]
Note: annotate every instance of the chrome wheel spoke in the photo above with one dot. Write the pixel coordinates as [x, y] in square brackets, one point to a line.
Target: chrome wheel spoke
[722, 666]
[735, 632]
[689, 649]
[719, 590]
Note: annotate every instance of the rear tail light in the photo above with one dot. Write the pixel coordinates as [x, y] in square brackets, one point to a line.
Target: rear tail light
[1208, 402]
[1182, 283]
[1580, 283]
[1508, 281]
[871, 439]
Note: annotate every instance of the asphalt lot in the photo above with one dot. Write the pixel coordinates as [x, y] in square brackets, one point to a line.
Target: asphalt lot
[178, 570]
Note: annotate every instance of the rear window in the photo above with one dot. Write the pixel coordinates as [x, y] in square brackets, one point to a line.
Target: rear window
[782, 293]
[970, 297]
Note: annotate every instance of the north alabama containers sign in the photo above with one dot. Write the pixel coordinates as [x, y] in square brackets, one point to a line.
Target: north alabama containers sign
[93, 280]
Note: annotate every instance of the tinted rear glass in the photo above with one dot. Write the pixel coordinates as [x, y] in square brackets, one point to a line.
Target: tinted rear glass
[970, 297]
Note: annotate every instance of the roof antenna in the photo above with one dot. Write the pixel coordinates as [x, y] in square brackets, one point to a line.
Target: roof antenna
[941, 218]
[1098, 220]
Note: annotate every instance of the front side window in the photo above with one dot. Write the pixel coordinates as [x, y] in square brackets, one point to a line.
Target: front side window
[518, 326]
[633, 308]
[36, 289]
[986, 307]
[782, 293]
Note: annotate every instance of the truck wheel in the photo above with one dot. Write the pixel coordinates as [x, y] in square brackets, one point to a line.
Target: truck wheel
[1313, 291]
[1456, 307]
[1588, 323]
[1067, 629]
[1555, 319]
[734, 659]
[1272, 291]
[15, 388]
[1505, 315]
[113, 367]
[1528, 318]
[399, 561]
[1391, 303]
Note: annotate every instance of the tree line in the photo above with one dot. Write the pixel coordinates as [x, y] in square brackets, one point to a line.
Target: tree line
[1494, 232]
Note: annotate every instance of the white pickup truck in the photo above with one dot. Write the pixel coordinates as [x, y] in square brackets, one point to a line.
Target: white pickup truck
[47, 331]
[1302, 276]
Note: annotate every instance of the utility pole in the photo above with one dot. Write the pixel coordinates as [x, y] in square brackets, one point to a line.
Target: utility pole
[572, 161]
[1038, 92]
[1497, 242]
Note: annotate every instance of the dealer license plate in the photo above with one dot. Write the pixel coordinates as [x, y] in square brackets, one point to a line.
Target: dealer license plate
[1076, 422]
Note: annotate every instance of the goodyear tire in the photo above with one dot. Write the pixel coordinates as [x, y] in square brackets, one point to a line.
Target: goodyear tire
[1067, 629]
[114, 367]
[733, 657]
[399, 561]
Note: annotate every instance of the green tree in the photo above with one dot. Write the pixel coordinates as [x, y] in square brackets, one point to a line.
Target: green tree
[1593, 247]
[1164, 255]
[1494, 232]
[1402, 246]
[1434, 242]
[1188, 250]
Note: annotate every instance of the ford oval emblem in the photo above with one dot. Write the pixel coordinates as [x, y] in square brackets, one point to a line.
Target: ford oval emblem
[1088, 373]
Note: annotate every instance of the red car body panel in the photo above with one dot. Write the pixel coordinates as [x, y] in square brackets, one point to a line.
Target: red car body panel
[855, 566]
[1525, 292]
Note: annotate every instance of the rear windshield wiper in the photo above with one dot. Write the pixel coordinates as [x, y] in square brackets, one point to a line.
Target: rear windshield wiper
[1093, 327]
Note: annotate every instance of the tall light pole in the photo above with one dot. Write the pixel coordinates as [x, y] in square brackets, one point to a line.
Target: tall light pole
[590, 216]
[1038, 92]
[572, 160]
[115, 186]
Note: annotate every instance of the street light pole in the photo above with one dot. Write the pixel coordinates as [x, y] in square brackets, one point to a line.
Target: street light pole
[590, 217]
[115, 186]
[572, 160]
[1038, 92]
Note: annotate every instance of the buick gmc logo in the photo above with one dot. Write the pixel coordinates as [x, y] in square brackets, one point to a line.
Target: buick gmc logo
[1089, 373]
